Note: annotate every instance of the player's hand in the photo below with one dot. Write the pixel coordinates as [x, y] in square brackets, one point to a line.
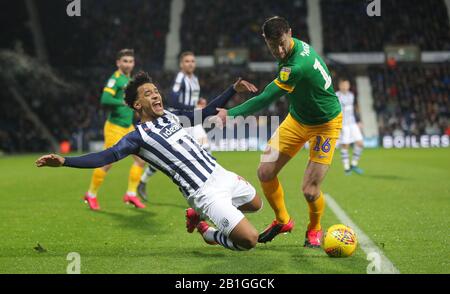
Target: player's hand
[242, 86]
[51, 160]
[222, 115]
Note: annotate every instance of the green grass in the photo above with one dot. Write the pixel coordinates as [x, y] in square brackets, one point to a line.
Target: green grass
[402, 203]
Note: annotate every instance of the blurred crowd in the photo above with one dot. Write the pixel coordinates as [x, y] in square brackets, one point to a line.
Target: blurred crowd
[17, 132]
[104, 28]
[412, 99]
[408, 99]
[236, 23]
[347, 28]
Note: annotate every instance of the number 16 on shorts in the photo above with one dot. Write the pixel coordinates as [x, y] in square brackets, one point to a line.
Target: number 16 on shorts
[322, 149]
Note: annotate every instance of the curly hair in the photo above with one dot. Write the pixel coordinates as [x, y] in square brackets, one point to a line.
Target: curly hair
[138, 80]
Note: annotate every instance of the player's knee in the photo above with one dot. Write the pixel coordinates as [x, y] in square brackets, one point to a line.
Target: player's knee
[106, 168]
[139, 162]
[249, 241]
[266, 173]
[260, 205]
[257, 204]
[311, 192]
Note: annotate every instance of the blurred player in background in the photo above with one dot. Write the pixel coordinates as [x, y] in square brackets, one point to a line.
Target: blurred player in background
[315, 116]
[351, 133]
[118, 124]
[184, 95]
[198, 132]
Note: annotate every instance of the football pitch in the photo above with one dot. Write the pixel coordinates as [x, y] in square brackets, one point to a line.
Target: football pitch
[401, 203]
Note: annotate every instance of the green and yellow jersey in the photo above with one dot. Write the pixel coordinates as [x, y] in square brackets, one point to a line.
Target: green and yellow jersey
[304, 78]
[113, 97]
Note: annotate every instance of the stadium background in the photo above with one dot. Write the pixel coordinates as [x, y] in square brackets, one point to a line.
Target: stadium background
[53, 68]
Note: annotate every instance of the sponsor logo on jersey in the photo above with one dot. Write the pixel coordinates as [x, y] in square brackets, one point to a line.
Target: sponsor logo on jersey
[284, 74]
[169, 130]
[111, 83]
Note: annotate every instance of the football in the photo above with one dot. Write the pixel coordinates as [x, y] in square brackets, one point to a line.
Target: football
[340, 241]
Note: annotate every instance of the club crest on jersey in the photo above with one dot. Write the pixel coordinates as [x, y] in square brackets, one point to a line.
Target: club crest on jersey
[111, 83]
[284, 74]
[169, 130]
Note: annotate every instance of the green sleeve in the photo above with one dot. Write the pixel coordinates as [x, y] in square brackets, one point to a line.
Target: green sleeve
[108, 100]
[288, 77]
[109, 93]
[271, 93]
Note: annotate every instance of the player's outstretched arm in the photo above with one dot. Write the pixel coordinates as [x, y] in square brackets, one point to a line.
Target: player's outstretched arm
[91, 160]
[52, 160]
[126, 146]
[107, 99]
[270, 94]
[240, 86]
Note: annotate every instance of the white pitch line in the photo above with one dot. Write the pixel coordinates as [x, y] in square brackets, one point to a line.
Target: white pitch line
[366, 244]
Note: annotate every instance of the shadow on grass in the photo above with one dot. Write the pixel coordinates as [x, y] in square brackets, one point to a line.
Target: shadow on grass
[386, 177]
[163, 204]
[140, 220]
[282, 259]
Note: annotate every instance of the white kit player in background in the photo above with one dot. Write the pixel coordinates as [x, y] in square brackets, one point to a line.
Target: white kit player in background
[184, 95]
[351, 133]
[198, 132]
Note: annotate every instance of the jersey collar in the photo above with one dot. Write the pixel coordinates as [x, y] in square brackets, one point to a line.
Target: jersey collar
[292, 49]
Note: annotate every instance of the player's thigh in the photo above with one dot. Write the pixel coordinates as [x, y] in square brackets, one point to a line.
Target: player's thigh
[254, 205]
[272, 161]
[223, 214]
[243, 194]
[356, 133]
[345, 136]
[285, 143]
[323, 139]
[288, 139]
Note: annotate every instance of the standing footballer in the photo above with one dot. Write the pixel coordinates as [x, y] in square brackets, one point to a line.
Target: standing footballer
[351, 133]
[314, 117]
[118, 124]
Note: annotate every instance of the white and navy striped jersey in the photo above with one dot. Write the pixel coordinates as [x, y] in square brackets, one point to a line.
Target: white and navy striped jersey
[169, 148]
[347, 101]
[165, 144]
[185, 92]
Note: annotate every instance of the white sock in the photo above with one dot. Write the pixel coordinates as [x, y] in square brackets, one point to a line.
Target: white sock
[356, 155]
[91, 195]
[149, 171]
[345, 158]
[214, 235]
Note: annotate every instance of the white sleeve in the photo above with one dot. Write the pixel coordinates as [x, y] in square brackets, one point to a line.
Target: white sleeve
[178, 80]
